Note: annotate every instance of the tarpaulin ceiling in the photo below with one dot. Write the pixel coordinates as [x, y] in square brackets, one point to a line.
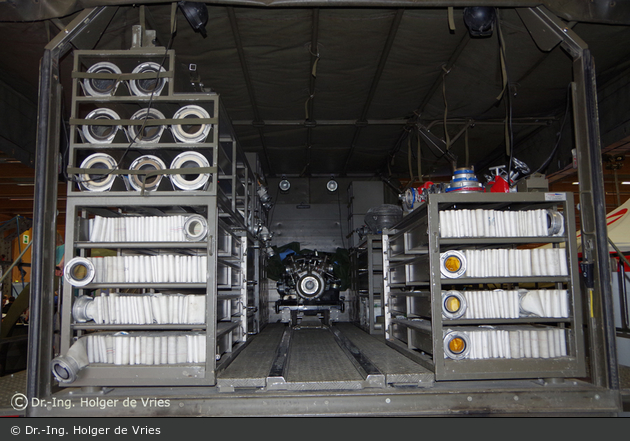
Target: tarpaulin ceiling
[328, 90]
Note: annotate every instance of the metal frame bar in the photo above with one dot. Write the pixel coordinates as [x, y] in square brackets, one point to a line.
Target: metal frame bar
[391, 36]
[39, 378]
[258, 123]
[601, 327]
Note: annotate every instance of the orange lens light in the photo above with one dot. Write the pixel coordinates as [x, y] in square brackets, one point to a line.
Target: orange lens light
[457, 345]
[452, 264]
[452, 304]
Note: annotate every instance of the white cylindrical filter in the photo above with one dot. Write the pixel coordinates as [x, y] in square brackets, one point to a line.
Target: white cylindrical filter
[96, 181]
[195, 228]
[172, 349]
[79, 271]
[443, 227]
[182, 349]
[454, 304]
[148, 86]
[146, 163]
[480, 223]
[474, 231]
[66, 367]
[145, 133]
[452, 264]
[561, 256]
[101, 86]
[84, 309]
[189, 160]
[101, 134]
[191, 133]
[456, 345]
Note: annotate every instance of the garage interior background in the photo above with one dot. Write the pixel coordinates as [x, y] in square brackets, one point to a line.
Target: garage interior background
[320, 92]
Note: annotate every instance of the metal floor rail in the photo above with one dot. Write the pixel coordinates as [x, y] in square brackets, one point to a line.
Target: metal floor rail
[340, 357]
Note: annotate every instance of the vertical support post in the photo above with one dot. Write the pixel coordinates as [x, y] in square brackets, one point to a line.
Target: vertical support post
[40, 336]
[40, 349]
[593, 213]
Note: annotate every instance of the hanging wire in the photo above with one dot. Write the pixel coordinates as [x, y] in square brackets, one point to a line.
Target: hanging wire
[507, 94]
[446, 136]
[343, 242]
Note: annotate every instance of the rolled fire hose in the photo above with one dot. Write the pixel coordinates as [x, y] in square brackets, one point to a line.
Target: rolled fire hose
[189, 160]
[98, 86]
[146, 163]
[195, 228]
[79, 271]
[191, 133]
[145, 87]
[98, 134]
[150, 134]
[96, 181]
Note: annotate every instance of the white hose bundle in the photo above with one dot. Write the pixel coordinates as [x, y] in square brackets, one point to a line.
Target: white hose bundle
[146, 348]
[496, 223]
[509, 342]
[140, 309]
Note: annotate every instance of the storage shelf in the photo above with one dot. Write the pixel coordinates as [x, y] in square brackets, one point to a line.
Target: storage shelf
[449, 241]
[178, 285]
[154, 327]
[142, 245]
[503, 280]
[512, 321]
[413, 260]
[149, 148]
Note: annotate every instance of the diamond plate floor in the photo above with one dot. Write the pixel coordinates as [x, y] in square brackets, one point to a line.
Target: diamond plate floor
[9, 386]
[316, 361]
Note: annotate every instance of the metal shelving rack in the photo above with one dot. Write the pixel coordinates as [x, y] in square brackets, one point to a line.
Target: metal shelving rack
[414, 323]
[224, 202]
[368, 282]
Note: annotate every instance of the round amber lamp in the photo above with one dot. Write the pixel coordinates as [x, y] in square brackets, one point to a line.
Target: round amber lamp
[452, 304]
[452, 264]
[456, 345]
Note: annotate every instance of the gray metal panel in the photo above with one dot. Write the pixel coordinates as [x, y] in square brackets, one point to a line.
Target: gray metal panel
[398, 369]
[251, 367]
[316, 357]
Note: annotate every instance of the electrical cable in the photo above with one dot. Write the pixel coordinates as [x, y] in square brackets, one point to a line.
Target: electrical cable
[508, 96]
[543, 167]
[343, 242]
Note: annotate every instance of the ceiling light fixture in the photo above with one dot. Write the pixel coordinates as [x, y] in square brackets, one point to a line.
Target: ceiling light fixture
[479, 20]
[196, 14]
[332, 185]
[284, 185]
